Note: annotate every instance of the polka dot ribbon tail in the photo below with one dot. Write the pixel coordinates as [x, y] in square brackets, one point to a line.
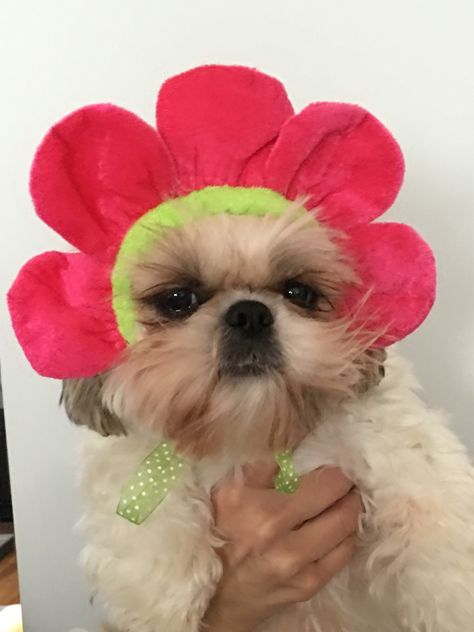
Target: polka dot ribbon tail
[150, 484]
[160, 471]
[287, 479]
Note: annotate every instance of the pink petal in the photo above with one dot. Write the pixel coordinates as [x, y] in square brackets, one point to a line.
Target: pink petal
[398, 274]
[342, 157]
[96, 172]
[60, 305]
[219, 123]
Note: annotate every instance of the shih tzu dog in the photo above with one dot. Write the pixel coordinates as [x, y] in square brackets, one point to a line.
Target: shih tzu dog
[241, 354]
[230, 300]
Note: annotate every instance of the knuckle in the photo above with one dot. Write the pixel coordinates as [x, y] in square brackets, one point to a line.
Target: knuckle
[348, 514]
[266, 529]
[339, 481]
[308, 585]
[260, 538]
[333, 480]
[284, 565]
[352, 546]
[345, 522]
[226, 498]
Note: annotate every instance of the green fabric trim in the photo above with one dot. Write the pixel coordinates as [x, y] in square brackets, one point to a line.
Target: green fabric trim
[159, 472]
[287, 479]
[173, 214]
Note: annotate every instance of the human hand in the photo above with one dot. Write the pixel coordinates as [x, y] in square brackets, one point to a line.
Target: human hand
[280, 549]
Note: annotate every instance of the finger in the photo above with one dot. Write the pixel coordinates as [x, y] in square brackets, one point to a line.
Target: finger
[237, 490]
[262, 515]
[246, 516]
[317, 574]
[317, 537]
[260, 474]
[317, 491]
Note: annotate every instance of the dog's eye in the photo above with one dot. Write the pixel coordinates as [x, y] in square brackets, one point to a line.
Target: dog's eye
[180, 302]
[177, 302]
[300, 294]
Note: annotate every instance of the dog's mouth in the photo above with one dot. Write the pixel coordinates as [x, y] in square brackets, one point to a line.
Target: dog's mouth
[252, 367]
[239, 359]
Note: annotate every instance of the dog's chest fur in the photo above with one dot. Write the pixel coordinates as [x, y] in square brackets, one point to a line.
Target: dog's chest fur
[418, 489]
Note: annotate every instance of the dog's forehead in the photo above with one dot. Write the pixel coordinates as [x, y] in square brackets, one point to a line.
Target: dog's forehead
[240, 250]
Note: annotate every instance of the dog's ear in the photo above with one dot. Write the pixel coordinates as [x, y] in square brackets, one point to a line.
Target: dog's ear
[372, 369]
[82, 399]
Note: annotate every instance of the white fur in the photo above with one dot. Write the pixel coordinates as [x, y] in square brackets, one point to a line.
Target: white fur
[415, 568]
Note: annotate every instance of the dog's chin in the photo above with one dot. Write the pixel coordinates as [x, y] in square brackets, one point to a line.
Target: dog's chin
[253, 366]
[250, 369]
[252, 411]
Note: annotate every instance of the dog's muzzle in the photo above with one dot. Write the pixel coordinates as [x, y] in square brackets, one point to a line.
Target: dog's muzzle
[249, 345]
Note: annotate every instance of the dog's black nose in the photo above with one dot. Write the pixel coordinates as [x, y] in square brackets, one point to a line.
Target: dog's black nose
[250, 317]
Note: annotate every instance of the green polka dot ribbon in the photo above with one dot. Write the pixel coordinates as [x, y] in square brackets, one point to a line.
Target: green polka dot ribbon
[287, 479]
[160, 471]
[151, 483]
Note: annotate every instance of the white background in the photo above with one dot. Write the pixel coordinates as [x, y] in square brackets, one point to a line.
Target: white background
[408, 61]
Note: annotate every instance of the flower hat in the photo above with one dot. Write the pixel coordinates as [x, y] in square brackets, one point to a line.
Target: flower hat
[228, 140]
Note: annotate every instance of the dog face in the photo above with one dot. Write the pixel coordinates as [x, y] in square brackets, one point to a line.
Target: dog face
[239, 337]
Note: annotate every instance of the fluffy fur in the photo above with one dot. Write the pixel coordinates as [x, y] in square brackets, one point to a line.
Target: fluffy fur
[323, 398]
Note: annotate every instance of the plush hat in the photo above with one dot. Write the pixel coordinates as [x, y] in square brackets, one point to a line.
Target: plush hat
[228, 140]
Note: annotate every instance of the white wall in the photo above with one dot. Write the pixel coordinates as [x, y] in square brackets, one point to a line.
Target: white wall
[409, 61]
